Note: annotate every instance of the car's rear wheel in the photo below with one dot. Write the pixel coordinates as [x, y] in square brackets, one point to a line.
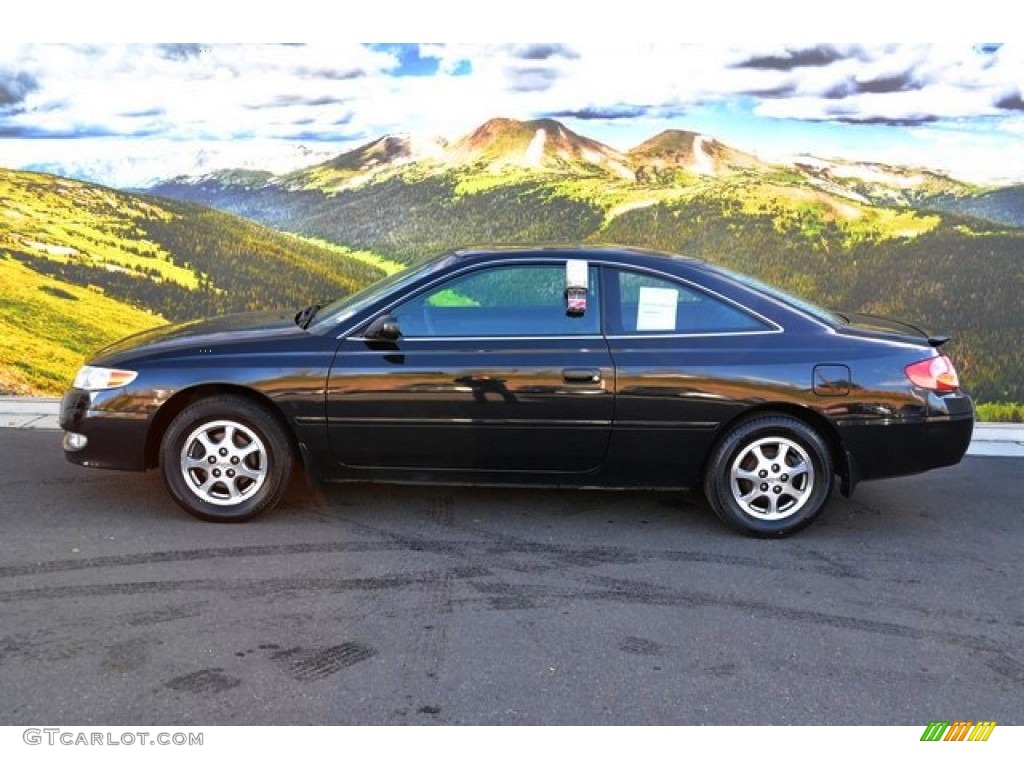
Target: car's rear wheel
[225, 459]
[770, 476]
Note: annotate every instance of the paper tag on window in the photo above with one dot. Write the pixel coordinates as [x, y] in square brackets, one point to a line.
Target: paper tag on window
[576, 274]
[656, 309]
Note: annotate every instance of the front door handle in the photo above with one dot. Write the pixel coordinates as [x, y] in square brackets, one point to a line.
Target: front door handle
[581, 375]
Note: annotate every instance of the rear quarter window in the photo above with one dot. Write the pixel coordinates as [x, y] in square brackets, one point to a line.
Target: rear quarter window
[652, 304]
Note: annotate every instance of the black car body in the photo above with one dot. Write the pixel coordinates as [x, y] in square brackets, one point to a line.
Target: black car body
[551, 366]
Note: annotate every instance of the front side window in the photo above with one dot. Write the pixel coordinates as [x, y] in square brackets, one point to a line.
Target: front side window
[526, 300]
[650, 304]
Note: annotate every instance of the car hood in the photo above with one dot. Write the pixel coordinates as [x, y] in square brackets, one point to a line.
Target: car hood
[212, 331]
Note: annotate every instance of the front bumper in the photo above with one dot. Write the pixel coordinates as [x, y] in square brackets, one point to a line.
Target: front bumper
[115, 438]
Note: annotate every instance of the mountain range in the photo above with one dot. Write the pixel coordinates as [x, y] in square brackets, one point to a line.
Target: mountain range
[502, 147]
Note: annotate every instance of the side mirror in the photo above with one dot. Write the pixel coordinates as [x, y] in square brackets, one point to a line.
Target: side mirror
[384, 328]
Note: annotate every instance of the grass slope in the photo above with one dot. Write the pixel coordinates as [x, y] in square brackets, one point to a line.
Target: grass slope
[48, 327]
[147, 259]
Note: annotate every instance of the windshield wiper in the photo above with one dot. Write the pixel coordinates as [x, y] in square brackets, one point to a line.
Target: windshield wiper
[305, 316]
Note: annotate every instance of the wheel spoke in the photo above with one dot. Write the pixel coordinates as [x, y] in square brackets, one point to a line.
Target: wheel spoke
[207, 484]
[235, 494]
[780, 457]
[248, 450]
[190, 462]
[208, 445]
[788, 489]
[759, 455]
[252, 474]
[754, 493]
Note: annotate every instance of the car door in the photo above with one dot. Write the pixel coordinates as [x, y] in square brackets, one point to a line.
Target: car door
[490, 373]
[686, 362]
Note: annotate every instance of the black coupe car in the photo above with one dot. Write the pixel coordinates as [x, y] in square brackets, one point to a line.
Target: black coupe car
[545, 366]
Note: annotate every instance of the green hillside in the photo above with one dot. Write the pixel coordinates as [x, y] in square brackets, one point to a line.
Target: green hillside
[48, 327]
[83, 265]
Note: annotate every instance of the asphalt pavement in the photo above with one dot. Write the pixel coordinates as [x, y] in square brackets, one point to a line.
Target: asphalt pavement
[372, 604]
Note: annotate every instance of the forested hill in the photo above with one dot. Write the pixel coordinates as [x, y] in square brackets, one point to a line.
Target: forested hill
[1003, 206]
[69, 248]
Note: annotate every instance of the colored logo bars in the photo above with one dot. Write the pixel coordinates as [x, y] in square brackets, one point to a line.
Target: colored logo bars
[959, 730]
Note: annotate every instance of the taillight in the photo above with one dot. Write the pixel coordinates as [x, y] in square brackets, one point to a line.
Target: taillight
[935, 373]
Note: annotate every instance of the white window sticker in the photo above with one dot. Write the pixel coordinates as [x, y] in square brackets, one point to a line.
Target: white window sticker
[576, 273]
[656, 309]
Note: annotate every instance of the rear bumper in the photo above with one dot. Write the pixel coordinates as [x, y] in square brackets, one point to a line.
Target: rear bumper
[114, 439]
[887, 449]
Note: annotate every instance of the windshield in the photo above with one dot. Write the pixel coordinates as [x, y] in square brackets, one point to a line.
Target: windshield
[341, 310]
[785, 297]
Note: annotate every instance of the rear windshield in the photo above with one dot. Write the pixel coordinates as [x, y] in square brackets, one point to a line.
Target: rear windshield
[808, 307]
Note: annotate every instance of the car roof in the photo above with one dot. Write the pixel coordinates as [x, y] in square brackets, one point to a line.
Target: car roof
[628, 254]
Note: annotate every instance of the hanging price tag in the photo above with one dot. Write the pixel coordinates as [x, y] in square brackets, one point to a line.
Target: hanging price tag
[576, 275]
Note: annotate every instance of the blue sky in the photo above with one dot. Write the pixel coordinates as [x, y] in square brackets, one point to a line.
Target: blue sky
[127, 114]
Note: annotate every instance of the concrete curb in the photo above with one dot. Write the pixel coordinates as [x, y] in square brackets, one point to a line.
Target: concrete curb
[990, 438]
[997, 439]
[29, 412]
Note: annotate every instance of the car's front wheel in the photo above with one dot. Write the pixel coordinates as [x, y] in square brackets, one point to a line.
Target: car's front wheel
[225, 459]
[770, 476]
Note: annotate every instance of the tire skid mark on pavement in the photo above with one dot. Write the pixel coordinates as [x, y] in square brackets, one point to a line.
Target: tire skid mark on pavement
[307, 664]
[256, 588]
[165, 614]
[428, 647]
[203, 681]
[475, 563]
[502, 595]
[1005, 666]
[188, 555]
[442, 510]
[840, 568]
[428, 651]
[42, 644]
[641, 646]
[499, 547]
[303, 664]
[643, 593]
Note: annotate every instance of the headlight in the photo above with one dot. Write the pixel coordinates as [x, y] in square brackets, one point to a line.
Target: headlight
[92, 378]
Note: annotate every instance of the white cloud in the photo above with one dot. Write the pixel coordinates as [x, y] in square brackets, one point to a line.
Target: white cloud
[343, 92]
[218, 91]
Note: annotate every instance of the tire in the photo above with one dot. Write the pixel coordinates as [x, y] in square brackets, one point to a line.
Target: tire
[226, 459]
[769, 477]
